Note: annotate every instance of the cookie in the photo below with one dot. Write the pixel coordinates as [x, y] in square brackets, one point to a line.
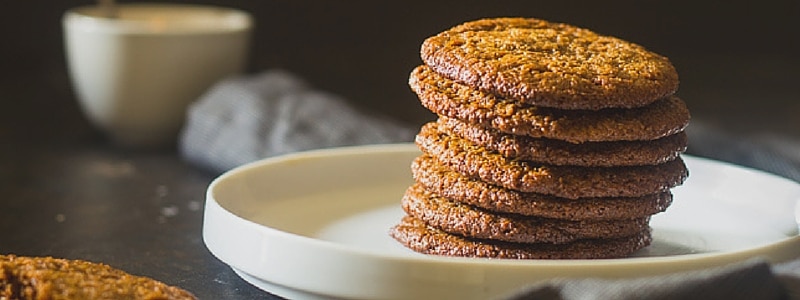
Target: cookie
[561, 181]
[550, 64]
[444, 97]
[54, 278]
[443, 182]
[464, 220]
[419, 237]
[555, 152]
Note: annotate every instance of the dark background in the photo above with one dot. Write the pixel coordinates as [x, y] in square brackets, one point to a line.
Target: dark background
[66, 192]
[735, 59]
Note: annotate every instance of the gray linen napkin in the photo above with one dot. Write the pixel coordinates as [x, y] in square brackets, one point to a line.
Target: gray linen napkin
[774, 153]
[753, 279]
[244, 119]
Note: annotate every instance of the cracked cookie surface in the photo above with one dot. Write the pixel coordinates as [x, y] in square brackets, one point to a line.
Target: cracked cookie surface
[54, 278]
[452, 185]
[445, 97]
[464, 220]
[556, 152]
[562, 181]
[550, 64]
[419, 237]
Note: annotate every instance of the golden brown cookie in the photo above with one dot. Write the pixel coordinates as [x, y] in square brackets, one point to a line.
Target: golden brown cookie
[419, 237]
[550, 64]
[452, 185]
[445, 97]
[561, 181]
[464, 220]
[61, 279]
[555, 152]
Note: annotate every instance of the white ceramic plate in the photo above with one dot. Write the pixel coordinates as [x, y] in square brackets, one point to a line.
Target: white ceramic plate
[314, 225]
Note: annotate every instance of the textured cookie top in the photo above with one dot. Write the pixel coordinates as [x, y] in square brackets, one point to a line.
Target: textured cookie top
[418, 236]
[561, 181]
[54, 278]
[550, 64]
[452, 185]
[465, 220]
[449, 98]
[555, 152]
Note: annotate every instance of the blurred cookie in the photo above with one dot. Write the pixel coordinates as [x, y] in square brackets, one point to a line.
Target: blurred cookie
[556, 152]
[550, 64]
[419, 237]
[443, 182]
[445, 97]
[464, 220]
[54, 278]
[561, 181]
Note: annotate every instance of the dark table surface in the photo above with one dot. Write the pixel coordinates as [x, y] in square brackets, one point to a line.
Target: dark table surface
[65, 191]
[69, 193]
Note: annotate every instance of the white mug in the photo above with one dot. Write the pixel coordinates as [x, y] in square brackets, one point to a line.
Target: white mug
[135, 74]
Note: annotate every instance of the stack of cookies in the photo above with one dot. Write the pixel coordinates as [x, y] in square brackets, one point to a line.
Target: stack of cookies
[552, 142]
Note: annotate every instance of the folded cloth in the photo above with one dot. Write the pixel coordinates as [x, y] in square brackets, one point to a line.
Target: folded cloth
[753, 279]
[774, 153]
[244, 119]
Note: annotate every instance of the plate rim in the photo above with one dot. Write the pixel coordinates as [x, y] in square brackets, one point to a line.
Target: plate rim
[705, 259]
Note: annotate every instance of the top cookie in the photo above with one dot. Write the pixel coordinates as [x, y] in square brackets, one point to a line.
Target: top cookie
[550, 64]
